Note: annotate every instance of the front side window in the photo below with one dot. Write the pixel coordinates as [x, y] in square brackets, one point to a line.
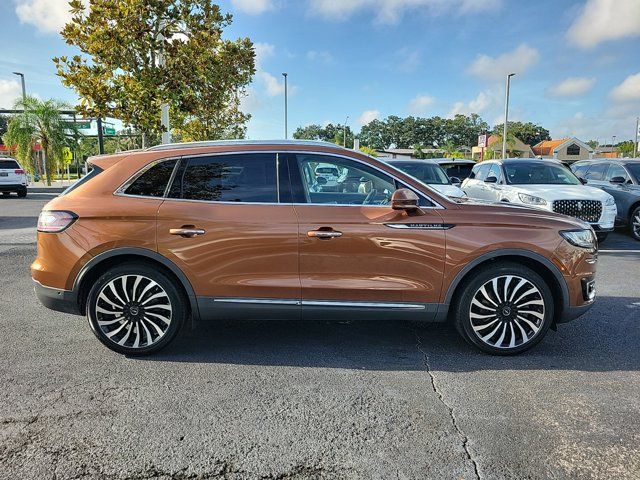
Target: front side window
[480, 171]
[525, 173]
[153, 182]
[495, 171]
[247, 178]
[617, 171]
[340, 181]
[580, 170]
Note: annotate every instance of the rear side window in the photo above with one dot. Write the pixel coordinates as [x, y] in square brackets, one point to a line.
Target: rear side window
[153, 182]
[92, 173]
[597, 171]
[8, 164]
[248, 178]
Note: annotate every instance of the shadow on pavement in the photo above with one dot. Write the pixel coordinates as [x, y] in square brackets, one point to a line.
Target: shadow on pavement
[18, 222]
[606, 338]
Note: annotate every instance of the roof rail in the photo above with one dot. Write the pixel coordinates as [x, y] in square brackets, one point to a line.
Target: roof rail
[216, 143]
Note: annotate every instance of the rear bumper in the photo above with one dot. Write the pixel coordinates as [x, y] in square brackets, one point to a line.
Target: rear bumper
[9, 187]
[55, 299]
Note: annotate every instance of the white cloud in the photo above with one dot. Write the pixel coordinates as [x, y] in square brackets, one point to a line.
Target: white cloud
[10, 90]
[274, 86]
[484, 100]
[48, 16]
[391, 11]
[628, 90]
[368, 116]
[408, 60]
[253, 7]
[572, 87]
[263, 51]
[497, 68]
[420, 104]
[319, 56]
[603, 20]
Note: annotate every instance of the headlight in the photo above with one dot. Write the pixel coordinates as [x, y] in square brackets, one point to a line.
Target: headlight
[580, 238]
[531, 200]
[609, 202]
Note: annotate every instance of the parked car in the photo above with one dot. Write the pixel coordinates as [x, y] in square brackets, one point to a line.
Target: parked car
[234, 230]
[13, 178]
[543, 184]
[430, 173]
[456, 168]
[621, 179]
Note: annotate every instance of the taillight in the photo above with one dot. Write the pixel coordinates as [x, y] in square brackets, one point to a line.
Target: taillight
[19, 172]
[55, 221]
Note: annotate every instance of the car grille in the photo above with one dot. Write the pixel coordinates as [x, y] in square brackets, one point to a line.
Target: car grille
[587, 210]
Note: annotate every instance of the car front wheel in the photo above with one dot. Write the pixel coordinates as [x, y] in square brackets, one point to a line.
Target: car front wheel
[634, 223]
[135, 309]
[504, 309]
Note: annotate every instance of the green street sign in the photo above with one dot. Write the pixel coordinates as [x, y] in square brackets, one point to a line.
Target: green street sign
[108, 130]
[82, 125]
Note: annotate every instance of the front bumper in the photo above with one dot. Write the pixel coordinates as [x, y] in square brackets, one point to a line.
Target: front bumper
[607, 219]
[571, 313]
[55, 299]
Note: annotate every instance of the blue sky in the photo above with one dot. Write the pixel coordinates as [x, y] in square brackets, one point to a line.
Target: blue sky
[576, 61]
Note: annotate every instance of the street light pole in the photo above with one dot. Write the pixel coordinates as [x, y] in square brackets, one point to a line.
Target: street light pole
[164, 107]
[286, 107]
[635, 145]
[506, 116]
[24, 90]
[344, 139]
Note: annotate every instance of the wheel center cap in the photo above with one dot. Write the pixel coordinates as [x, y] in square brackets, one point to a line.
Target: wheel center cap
[506, 311]
[134, 310]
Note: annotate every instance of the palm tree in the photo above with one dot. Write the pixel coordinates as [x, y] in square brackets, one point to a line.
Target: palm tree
[451, 151]
[418, 151]
[495, 149]
[39, 123]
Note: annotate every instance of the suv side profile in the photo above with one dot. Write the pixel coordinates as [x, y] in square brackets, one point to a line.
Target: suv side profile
[620, 178]
[233, 230]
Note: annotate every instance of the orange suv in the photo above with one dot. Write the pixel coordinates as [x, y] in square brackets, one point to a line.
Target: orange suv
[150, 240]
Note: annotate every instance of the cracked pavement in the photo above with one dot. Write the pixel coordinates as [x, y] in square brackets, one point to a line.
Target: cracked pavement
[292, 400]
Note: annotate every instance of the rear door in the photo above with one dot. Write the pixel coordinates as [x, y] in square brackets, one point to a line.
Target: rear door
[229, 225]
[357, 252]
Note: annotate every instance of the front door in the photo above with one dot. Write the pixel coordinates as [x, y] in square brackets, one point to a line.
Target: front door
[355, 251]
[228, 225]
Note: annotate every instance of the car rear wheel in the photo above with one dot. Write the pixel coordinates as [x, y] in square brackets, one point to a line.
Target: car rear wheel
[135, 309]
[505, 309]
[22, 193]
[634, 223]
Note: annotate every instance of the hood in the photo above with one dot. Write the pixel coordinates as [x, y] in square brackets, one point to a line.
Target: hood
[563, 192]
[449, 190]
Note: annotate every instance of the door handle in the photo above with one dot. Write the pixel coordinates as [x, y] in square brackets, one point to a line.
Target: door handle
[187, 231]
[323, 234]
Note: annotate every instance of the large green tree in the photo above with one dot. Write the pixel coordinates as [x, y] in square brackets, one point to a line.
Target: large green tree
[39, 123]
[139, 54]
[330, 133]
[529, 133]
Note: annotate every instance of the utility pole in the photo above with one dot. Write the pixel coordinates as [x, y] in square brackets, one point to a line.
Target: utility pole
[286, 107]
[24, 90]
[164, 108]
[344, 139]
[635, 144]
[100, 136]
[506, 117]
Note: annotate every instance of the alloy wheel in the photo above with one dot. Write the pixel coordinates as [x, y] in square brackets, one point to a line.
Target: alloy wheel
[507, 311]
[133, 311]
[636, 224]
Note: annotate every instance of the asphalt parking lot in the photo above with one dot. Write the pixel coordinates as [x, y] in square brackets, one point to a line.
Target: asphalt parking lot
[285, 400]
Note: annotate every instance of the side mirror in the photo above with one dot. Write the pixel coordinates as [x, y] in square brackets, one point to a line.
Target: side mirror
[618, 180]
[407, 200]
[455, 180]
[582, 180]
[491, 180]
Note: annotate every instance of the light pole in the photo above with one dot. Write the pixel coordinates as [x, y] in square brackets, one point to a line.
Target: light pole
[286, 106]
[344, 132]
[24, 90]
[506, 116]
[635, 145]
[164, 107]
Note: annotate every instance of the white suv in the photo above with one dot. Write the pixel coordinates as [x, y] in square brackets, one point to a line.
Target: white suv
[544, 184]
[13, 178]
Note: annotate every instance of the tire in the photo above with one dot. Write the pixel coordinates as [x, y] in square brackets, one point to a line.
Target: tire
[634, 223]
[601, 237]
[6, 194]
[497, 323]
[22, 193]
[140, 320]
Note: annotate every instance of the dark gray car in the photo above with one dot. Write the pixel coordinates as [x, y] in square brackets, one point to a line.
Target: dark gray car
[620, 178]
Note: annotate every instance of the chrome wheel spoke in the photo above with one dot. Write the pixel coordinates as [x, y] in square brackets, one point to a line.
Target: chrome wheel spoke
[507, 311]
[133, 311]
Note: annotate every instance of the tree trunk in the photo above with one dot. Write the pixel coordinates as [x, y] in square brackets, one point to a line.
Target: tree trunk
[47, 170]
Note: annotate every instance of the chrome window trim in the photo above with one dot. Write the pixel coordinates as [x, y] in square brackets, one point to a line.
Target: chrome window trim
[229, 143]
[120, 190]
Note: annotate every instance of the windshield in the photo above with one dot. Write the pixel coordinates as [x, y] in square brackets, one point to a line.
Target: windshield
[528, 173]
[634, 168]
[428, 173]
